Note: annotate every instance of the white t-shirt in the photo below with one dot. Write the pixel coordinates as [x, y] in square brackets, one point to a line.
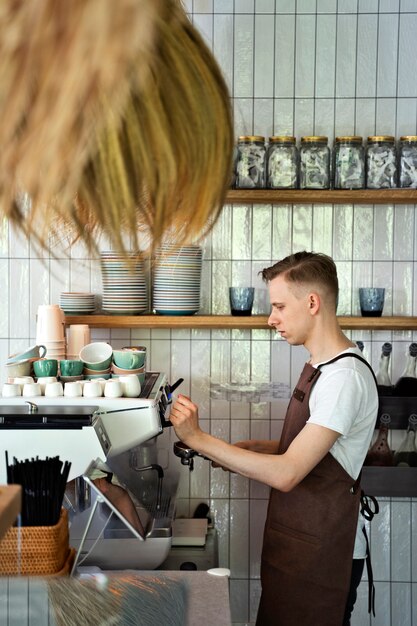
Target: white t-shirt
[345, 399]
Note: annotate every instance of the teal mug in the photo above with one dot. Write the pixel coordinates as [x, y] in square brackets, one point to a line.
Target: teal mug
[129, 359]
[45, 367]
[71, 367]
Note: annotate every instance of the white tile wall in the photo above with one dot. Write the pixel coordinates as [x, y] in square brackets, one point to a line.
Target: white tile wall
[293, 66]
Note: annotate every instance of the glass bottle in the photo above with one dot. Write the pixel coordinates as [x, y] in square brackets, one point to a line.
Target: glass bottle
[407, 161]
[250, 167]
[406, 455]
[380, 453]
[381, 162]
[406, 385]
[282, 163]
[314, 163]
[382, 376]
[349, 163]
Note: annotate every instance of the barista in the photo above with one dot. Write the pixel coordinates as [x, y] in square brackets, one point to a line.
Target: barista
[311, 527]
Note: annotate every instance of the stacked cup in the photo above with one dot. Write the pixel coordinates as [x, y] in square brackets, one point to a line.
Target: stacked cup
[78, 337]
[127, 362]
[50, 324]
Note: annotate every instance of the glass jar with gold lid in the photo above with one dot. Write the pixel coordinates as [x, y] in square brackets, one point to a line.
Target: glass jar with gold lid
[407, 162]
[381, 162]
[282, 162]
[314, 163]
[251, 160]
[349, 163]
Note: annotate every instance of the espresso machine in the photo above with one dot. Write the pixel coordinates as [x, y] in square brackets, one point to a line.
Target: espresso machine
[125, 439]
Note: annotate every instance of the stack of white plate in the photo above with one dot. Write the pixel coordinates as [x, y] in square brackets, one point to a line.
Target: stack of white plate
[177, 279]
[124, 284]
[77, 303]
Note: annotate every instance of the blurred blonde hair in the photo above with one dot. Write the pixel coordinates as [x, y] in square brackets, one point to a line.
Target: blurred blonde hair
[115, 119]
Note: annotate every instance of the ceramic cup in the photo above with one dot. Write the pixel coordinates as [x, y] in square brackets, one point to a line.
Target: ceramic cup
[11, 390]
[129, 359]
[97, 355]
[22, 380]
[44, 380]
[92, 389]
[69, 367]
[78, 336]
[34, 352]
[241, 300]
[54, 390]
[371, 301]
[113, 389]
[130, 385]
[19, 368]
[31, 390]
[50, 322]
[45, 367]
[73, 389]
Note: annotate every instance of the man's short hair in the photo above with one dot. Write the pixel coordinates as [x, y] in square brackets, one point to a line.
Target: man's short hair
[306, 268]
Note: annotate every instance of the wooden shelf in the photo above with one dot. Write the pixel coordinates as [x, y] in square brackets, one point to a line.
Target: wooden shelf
[320, 196]
[228, 321]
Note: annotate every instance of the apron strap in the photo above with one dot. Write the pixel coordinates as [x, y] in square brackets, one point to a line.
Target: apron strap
[371, 586]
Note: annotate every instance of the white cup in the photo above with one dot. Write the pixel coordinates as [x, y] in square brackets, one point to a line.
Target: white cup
[44, 380]
[31, 390]
[11, 390]
[92, 389]
[130, 385]
[113, 389]
[54, 390]
[73, 389]
[78, 337]
[23, 380]
[50, 323]
[102, 382]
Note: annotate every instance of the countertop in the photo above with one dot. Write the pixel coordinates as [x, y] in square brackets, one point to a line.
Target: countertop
[207, 598]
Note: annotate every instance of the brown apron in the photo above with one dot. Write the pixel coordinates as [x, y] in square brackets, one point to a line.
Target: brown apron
[309, 534]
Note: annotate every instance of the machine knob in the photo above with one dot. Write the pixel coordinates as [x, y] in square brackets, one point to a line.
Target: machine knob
[32, 408]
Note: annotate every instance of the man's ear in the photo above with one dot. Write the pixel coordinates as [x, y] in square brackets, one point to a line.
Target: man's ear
[314, 302]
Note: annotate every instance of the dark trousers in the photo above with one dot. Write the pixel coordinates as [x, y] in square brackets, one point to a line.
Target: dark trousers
[355, 579]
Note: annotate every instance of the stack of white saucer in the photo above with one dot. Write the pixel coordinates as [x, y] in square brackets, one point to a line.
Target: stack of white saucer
[50, 330]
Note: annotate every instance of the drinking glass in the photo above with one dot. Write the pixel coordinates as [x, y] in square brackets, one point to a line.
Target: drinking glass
[371, 301]
[241, 300]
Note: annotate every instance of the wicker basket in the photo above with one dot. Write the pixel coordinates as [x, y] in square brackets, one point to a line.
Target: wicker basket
[44, 550]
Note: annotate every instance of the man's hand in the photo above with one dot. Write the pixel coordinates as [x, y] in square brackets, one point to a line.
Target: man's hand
[184, 418]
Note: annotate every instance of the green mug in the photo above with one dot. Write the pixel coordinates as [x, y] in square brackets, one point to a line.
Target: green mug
[70, 367]
[45, 367]
[129, 359]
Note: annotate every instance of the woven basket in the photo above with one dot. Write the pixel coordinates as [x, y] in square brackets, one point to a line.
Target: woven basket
[44, 550]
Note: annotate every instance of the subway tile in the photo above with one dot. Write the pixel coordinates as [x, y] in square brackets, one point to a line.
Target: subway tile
[380, 543]
[401, 541]
[222, 271]
[383, 232]
[346, 56]
[387, 56]
[344, 274]
[239, 539]
[223, 6]
[4, 237]
[204, 25]
[263, 113]
[401, 604]
[306, 6]
[18, 244]
[4, 302]
[365, 117]
[403, 232]
[406, 116]
[220, 510]
[263, 57]
[407, 61]
[325, 56]
[239, 603]
[389, 6]
[342, 232]
[243, 56]
[38, 290]
[368, 6]
[242, 232]
[203, 6]
[302, 227]
[303, 116]
[261, 304]
[243, 116]
[245, 6]
[322, 228]
[363, 217]
[284, 56]
[264, 6]
[402, 289]
[326, 6]
[344, 121]
[366, 55]
[324, 117]
[261, 224]
[305, 28]
[347, 6]
[285, 6]
[408, 6]
[223, 45]
[385, 116]
[283, 117]
[257, 512]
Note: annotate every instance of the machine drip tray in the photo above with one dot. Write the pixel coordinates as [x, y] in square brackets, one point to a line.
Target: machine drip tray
[204, 557]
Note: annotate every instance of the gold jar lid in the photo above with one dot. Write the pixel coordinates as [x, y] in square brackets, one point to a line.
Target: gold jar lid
[408, 138]
[251, 138]
[351, 139]
[282, 139]
[314, 139]
[374, 138]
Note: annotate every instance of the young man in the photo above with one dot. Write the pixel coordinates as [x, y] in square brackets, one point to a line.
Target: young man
[313, 470]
